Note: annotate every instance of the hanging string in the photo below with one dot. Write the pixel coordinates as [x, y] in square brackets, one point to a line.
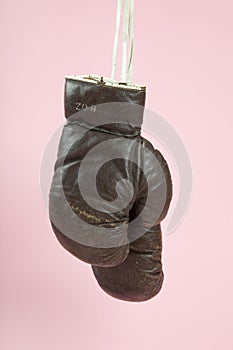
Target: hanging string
[131, 42]
[125, 35]
[127, 38]
[116, 37]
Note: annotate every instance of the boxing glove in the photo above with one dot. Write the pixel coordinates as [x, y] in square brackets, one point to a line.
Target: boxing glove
[116, 228]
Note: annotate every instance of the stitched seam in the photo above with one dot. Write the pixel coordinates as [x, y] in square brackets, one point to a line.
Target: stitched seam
[142, 90]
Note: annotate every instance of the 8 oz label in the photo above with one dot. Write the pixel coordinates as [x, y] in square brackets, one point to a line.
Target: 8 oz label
[79, 106]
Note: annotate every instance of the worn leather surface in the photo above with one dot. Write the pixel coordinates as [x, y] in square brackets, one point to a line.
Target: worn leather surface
[140, 276]
[91, 94]
[126, 263]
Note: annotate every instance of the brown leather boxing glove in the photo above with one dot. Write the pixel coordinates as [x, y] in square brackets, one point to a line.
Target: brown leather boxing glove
[114, 227]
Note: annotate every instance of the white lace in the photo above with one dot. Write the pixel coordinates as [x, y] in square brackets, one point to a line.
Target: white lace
[127, 38]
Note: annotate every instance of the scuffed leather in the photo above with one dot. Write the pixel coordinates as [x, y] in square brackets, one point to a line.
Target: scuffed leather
[130, 269]
[92, 94]
[140, 276]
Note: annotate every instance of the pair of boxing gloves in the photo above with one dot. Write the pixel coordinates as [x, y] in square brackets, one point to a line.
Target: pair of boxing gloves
[110, 189]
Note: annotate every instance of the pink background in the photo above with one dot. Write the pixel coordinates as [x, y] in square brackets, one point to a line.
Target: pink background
[184, 54]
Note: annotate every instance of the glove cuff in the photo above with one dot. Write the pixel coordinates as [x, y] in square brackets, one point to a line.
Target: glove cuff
[95, 96]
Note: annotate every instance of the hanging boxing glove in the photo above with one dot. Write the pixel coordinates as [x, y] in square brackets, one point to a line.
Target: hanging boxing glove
[139, 274]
